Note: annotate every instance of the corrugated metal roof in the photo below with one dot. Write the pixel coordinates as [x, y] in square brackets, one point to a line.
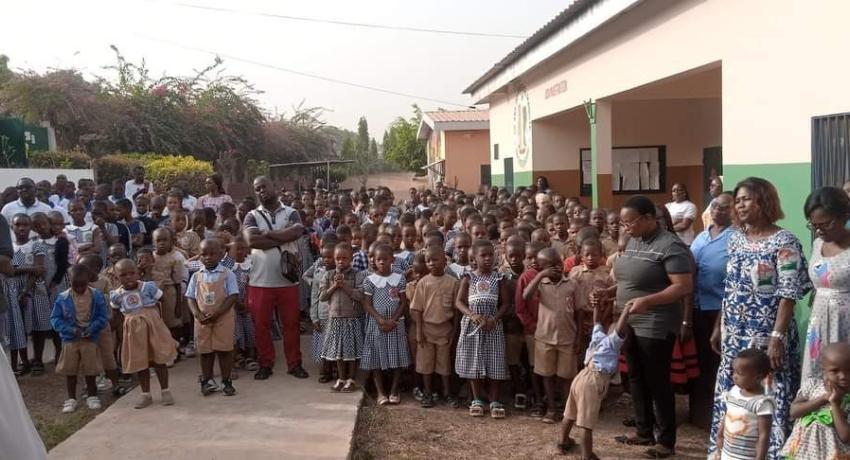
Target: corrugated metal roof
[563, 18]
[445, 116]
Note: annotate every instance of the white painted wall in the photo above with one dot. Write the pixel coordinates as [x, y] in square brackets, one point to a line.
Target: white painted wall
[10, 176]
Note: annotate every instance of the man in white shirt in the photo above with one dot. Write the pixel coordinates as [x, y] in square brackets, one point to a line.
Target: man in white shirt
[137, 185]
[26, 202]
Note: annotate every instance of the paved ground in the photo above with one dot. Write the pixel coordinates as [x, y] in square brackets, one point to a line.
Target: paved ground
[282, 417]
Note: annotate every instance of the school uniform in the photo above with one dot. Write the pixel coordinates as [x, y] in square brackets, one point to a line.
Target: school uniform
[106, 340]
[589, 387]
[146, 339]
[243, 335]
[343, 333]
[586, 281]
[556, 333]
[526, 311]
[189, 242]
[168, 272]
[434, 297]
[480, 353]
[385, 350]
[37, 308]
[209, 288]
[318, 309]
[514, 336]
[82, 234]
[56, 267]
[72, 312]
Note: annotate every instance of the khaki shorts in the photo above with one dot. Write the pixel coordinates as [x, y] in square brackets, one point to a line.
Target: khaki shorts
[216, 336]
[106, 348]
[586, 394]
[79, 358]
[513, 349]
[431, 358]
[557, 360]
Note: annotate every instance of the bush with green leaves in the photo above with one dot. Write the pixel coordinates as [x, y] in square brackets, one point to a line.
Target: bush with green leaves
[163, 170]
[64, 159]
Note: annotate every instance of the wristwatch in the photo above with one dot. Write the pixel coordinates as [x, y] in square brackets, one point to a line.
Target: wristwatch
[778, 335]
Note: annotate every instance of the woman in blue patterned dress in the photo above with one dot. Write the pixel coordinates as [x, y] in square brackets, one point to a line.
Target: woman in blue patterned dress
[483, 299]
[766, 276]
[385, 340]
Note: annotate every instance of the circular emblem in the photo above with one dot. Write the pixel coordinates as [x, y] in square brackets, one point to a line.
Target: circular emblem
[394, 293]
[209, 298]
[88, 237]
[482, 286]
[132, 301]
[522, 128]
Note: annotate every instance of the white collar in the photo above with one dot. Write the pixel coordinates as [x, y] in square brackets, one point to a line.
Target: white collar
[382, 281]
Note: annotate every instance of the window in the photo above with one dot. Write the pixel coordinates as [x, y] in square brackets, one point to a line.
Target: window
[495, 151]
[633, 170]
[830, 150]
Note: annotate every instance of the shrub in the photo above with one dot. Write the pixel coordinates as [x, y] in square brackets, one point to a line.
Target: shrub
[166, 171]
[163, 170]
[65, 159]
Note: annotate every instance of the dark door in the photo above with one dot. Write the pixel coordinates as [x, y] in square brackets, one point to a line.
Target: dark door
[485, 175]
[509, 174]
[830, 150]
[712, 166]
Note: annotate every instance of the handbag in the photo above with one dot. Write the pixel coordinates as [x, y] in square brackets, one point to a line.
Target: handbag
[290, 262]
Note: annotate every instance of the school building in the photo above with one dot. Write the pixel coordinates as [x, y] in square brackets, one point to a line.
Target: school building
[617, 97]
[457, 145]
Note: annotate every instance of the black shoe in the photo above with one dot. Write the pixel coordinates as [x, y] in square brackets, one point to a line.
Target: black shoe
[298, 372]
[228, 389]
[208, 386]
[263, 374]
[427, 401]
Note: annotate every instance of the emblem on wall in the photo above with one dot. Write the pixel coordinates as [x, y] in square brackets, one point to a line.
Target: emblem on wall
[522, 128]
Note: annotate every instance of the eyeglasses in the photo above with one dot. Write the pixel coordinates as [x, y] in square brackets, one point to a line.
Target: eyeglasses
[820, 226]
[630, 223]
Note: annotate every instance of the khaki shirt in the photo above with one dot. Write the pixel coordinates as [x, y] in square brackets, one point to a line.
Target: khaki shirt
[586, 280]
[435, 298]
[556, 323]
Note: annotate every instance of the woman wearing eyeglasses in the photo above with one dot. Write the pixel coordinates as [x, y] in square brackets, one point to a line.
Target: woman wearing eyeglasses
[827, 209]
[766, 276]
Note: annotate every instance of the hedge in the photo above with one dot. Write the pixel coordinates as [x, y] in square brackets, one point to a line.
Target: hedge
[163, 170]
[66, 159]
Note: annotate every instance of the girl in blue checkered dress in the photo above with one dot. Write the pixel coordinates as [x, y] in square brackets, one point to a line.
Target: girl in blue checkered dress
[483, 299]
[28, 263]
[244, 331]
[385, 340]
[51, 234]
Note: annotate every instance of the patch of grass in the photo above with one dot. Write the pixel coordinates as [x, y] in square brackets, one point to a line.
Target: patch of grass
[54, 430]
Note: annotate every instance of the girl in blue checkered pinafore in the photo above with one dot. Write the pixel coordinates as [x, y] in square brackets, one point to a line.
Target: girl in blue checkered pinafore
[243, 334]
[483, 300]
[385, 339]
[28, 264]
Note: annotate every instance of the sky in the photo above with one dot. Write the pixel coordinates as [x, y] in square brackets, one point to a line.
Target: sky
[41, 34]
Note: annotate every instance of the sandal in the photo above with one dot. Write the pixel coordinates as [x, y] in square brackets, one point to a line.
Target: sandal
[22, 370]
[37, 369]
[251, 365]
[634, 440]
[549, 418]
[338, 386]
[497, 410]
[395, 399]
[476, 408]
[119, 391]
[452, 402]
[520, 401]
[537, 410]
[566, 446]
[659, 451]
[240, 362]
[349, 386]
[263, 373]
[382, 400]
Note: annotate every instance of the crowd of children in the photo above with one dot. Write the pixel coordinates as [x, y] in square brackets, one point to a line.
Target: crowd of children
[496, 293]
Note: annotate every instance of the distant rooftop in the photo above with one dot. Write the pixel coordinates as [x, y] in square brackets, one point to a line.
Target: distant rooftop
[446, 116]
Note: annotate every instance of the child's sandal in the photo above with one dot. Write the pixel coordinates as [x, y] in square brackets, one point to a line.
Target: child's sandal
[251, 365]
[383, 401]
[338, 386]
[520, 401]
[476, 409]
[395, 399]
[349, 386]
[497, 410]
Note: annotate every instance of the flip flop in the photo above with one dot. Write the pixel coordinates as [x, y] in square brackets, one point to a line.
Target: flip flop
[383, 401]
[634, 440]
[395, 399]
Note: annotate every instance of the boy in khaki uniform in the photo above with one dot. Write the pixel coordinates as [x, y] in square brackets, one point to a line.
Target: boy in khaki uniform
[433, 308]
[591, 274]
[555, 339]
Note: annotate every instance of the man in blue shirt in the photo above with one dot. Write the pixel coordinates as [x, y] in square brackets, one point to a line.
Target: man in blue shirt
[710, 257]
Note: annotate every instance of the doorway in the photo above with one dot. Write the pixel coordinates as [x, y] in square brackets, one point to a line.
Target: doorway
[485, 175]
[712, 166]
[509, 174]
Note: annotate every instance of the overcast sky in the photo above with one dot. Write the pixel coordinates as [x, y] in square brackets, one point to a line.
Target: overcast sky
[39, 34]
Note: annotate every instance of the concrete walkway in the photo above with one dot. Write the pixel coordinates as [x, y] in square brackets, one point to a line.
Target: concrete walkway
[282, 417]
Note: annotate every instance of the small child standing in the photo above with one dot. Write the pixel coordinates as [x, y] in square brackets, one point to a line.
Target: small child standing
[460, 266]
[319, 309]
[819, 401]
[526, 310]
[168, 272]
[432, 308]
[146, 340]
[744, 431]
[244, 334]
[106, 339]
[79, 316]
[591, 274]
[212, 292]
[385, 341]
[135, 228]
[556, 338]
[590, 385]
[483, 300]
[514, 332]
[29, 262]
[343, 338]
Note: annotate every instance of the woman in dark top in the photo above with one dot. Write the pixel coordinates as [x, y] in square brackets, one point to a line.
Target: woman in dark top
[653, 275]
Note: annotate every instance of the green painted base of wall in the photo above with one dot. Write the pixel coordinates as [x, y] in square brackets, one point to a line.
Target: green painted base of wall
[793, 182]
[521, 179]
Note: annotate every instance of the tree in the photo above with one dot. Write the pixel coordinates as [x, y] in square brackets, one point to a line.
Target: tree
[401, 145]
[364, 155]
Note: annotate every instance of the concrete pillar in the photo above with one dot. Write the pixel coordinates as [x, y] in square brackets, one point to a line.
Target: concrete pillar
[602, 195]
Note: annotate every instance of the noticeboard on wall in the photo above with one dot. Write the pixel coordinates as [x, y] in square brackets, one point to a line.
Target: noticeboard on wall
[634, 170]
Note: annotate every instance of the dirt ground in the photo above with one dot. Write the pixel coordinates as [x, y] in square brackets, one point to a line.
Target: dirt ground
[44, 396]
[408, 431]
[398, 182]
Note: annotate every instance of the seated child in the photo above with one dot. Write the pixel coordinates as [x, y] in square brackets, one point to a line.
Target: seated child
[79, 316]
[211, 294]
[341, 288]
[590, 385]
[432, 310]
[146, 341]
[822, 410]
[555, 338]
